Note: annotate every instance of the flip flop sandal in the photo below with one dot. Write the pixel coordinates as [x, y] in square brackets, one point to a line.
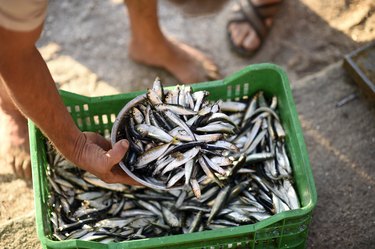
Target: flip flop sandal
[246, 11]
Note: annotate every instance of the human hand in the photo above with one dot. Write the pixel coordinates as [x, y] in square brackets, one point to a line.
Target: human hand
[94, 154]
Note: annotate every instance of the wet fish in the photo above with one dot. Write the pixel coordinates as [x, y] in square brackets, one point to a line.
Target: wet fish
[226, 177]
[154, 132]
[151, 155]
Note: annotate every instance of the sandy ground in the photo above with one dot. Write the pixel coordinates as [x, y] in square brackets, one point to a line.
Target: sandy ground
[85, 46]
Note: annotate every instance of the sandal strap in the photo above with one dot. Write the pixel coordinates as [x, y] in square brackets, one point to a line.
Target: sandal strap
[268, 10]
[249, 11]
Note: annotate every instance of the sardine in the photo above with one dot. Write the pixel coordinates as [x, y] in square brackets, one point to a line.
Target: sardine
[154, 132]
[182, 159]
[219, 202]
[151, 155]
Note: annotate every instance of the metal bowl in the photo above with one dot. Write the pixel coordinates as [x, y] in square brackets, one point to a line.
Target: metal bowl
[117, 134]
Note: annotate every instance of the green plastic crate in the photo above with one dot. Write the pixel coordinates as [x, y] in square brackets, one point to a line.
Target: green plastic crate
[284, 230]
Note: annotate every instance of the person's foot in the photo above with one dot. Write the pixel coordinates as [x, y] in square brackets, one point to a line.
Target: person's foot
[186, 63]
[14, 148]
[243, 33]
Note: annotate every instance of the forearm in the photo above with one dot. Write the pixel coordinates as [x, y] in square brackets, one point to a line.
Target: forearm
[31, 87]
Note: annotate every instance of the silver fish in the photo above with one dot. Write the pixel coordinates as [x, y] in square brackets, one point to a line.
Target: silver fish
[198, 97]
[153, 132]
[177, 121]
[189, 165]
[181, 159]
[179, 110]
[229, 106]
[149, 207]
[170, 218]
[174, 179]
[219, 202]
[153, 97]
[214, 166]
[251, 108]
[157, 87]
[196, 222]
[99, 183]
[137, 115]
[151, 155]
[215, 127]
[195, 187]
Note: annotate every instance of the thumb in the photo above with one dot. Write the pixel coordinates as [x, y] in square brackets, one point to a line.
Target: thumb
[115, 155]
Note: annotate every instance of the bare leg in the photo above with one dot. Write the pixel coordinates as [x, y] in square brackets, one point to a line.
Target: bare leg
[149, 46]
[14, 146]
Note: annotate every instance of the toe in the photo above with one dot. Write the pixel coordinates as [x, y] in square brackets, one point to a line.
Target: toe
[268, 22]
[26, 166]
[251, 42]
[212, 71]
[213, 75]
[11, 161]
[238, 32]
[244, 36]
[18, 164]
[193, 65]
[21, 165]
[209, 65]
[13, 131]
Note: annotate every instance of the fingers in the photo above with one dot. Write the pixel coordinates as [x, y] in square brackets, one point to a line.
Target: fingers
[115, 155]
[119, 176]
[103, 163]
[99, 140]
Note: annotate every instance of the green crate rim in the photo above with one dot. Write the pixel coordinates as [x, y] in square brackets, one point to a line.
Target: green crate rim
[205, 236]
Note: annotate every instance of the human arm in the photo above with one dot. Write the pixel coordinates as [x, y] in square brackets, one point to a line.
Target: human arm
[29, 83]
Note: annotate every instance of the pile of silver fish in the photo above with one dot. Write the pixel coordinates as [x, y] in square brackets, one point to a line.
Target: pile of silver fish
[230, 156]
[179, 138]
